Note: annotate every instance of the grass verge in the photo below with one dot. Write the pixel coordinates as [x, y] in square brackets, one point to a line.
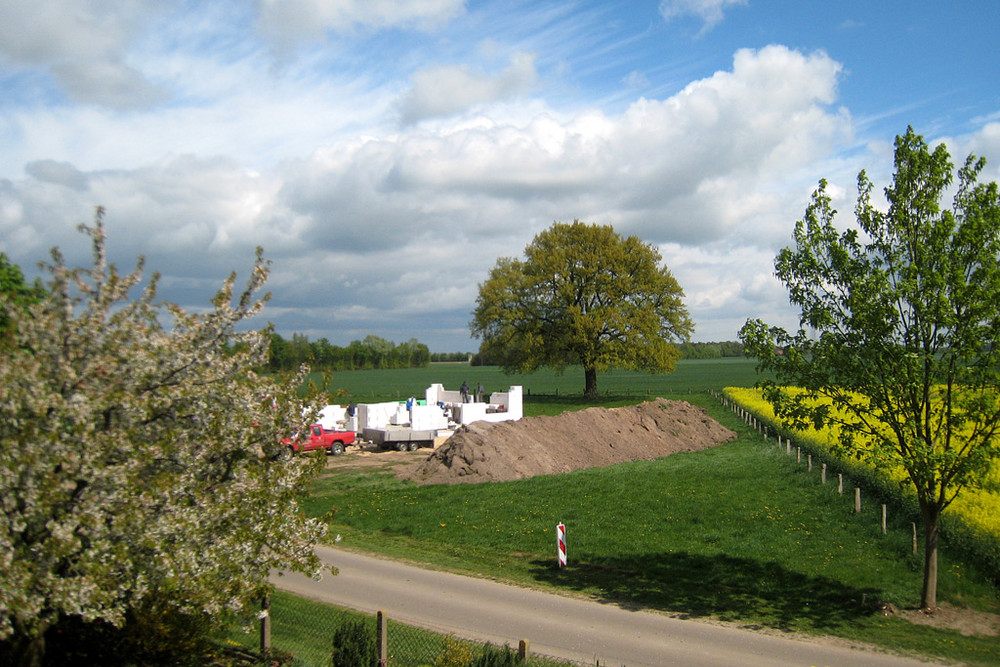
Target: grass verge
[738, 533]
[303, 630]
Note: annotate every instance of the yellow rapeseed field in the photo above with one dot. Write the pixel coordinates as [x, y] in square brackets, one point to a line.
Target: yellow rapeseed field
[977, 509]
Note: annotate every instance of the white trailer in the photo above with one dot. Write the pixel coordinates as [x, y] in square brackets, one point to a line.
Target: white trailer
[400, 438]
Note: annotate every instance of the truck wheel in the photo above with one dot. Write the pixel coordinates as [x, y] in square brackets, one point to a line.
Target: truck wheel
[337, 448]
[291, 450]
[414, 446]
[401, 447]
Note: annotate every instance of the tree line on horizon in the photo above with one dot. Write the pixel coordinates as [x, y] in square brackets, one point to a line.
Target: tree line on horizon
[371, 353]
[374, 352]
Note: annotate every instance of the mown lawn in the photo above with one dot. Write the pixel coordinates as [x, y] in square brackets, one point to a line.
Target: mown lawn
[739, 533]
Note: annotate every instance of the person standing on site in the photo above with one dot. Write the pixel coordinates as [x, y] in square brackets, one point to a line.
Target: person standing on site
[479, 393]
[464, 390]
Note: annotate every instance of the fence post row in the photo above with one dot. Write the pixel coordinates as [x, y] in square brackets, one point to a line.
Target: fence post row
[751, 420]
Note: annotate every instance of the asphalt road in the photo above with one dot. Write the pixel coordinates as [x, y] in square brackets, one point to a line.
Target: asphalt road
[555, 625]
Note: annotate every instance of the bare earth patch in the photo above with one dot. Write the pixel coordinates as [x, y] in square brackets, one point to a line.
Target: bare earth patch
[494, 452]
[966, 621]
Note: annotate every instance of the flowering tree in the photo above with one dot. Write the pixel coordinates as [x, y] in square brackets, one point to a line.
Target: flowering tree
[140, 454]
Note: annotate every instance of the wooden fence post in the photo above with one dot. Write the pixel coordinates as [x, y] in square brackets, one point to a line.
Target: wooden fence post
[840, 482]
[798, 455]
[383, 639]
[523, 650]
[810, 462]
[884, 527]
[265, 625]
[857, 499]
[823, 474]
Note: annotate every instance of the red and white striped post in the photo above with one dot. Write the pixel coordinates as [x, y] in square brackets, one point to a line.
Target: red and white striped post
[561, 544]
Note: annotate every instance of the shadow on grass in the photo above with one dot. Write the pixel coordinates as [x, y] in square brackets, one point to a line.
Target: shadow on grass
[731, 589]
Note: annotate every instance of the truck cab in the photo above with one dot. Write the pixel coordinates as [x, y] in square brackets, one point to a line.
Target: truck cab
[317, 437]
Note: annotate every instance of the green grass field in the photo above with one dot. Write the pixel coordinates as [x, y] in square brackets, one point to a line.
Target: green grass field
[690, 376]
[737, 533]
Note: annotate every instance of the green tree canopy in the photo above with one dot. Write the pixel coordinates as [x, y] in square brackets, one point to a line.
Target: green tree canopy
[583, 295]
[141, 456]
[18, 293]
[899, 338]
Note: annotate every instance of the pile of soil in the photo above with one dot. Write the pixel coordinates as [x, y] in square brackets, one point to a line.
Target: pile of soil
[503, 451]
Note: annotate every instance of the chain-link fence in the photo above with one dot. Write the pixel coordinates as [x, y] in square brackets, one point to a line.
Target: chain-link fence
[298, 632]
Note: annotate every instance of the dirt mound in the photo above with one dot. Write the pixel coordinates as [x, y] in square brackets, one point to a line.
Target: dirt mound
[483, 451]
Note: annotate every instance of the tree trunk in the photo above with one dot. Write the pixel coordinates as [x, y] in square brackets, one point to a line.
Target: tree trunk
[928, 597]
[28, 651]
[590, 388]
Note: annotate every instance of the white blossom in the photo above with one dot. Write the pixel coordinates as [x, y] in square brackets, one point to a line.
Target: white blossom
[140, 452]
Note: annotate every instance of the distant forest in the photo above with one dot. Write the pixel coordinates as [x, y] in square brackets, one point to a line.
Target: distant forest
[371, 353]
[374, 353]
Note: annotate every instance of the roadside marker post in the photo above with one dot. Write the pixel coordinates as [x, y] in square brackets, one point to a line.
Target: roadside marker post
[561, 544]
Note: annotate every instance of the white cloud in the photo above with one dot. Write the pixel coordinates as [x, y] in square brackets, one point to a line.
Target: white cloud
[60, 173]
[985, 141]
[82, 45]
[401, 225]
[710, 11]
[444, 90]
[636, 79]
[289, 22]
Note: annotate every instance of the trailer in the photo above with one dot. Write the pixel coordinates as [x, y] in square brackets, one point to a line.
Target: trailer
[400, 438]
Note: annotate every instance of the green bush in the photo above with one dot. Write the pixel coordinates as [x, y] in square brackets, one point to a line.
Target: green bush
[495, 657]
[455, 653]
[354, 645]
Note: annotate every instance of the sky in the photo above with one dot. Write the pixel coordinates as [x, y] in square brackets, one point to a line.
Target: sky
[386, 153]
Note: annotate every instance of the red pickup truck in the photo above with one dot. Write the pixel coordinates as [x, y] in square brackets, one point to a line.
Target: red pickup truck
[317, 437]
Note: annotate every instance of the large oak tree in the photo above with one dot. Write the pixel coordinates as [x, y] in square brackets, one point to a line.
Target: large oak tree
[899, 339]
[583, 295]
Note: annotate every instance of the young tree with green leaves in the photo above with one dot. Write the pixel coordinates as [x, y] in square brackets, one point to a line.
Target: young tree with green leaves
[583, 295]
[899, 338]
[141, 462]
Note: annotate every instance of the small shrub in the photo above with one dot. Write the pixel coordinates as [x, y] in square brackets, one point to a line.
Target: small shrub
[354, 645]
[454, 654]
[493, 656]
